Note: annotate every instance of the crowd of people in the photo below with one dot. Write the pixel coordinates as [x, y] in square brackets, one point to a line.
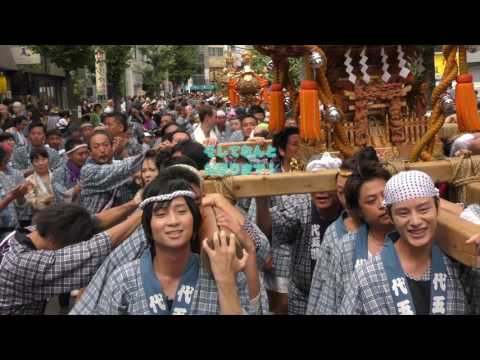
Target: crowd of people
[108, 212]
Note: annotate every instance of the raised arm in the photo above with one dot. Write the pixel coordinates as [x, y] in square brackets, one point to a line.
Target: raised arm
[101, 178]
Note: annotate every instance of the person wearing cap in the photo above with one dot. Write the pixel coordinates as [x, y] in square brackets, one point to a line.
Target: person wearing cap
[301, 221]
[65, 181]
[148, 141]
[412, 275]
[17, 109]
[94, 298]
[337, 260]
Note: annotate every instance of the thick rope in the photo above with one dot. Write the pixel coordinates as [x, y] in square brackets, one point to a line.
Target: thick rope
[465, 171]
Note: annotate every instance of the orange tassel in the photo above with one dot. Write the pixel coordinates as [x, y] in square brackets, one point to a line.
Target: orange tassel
[310, 117]
[232, 94]
[466, 102]
[277, 109]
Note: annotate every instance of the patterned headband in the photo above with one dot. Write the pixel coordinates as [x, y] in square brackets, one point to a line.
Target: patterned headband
[167, 197]
[407, 185]
[76, 148]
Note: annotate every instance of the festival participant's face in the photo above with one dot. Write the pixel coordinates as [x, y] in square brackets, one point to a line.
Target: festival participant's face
[37, 136]
[235, 124]
[221, 120]
[341, 181]
[415, 220]
[87, 132]
[10, 144]
[40, 165]
[371, 203]
[54, 141]
[22, 125]
[79, 157]
[248, 124]
[293, 145]
[260, 117]
[180, 137]
[149, 171]
[172, 226]
[324, 200]
[101, 149]
[113, 126]
[166, 119]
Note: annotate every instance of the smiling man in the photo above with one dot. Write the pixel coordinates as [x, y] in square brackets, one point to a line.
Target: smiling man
[412, 275]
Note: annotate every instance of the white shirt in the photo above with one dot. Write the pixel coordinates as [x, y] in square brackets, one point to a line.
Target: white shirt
[199, 136]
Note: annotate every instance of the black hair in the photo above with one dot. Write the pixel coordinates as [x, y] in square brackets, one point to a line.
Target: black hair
[166, 183]
[65, 224]
[245, 116]
[18, 120]
[162, 156]
[151, 154]
[37, 152]
[6, 136]
[180, 160]
[367, 154]
[100, 132]
[194, 151]
[365, 170]
[170, 136]
[71, 143]
[204, 112]
[119, 118]
[255, 109]
[96, 106]
[54, 132]
[164, 128]
[280, 139]
[35, 125]
[4, 156]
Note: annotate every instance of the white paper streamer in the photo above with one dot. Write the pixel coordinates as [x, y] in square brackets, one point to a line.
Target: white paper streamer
[404, 71]
[363, 62]
[349, 68]
[386, 75]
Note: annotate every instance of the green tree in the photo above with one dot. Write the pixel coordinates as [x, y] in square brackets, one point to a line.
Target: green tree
[117, 60]
[185, 62]
[68, 57]
[159, 58]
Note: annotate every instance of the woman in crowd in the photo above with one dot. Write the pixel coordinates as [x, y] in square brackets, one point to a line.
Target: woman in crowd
[40, 194]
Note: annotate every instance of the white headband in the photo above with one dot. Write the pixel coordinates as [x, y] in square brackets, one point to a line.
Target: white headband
[326, 162]
[408, 185]
[167, 197]
[76, 148]
[191, 169]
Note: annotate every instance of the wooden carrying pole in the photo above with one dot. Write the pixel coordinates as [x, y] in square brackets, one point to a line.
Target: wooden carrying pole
[453, 230]
[452, 233]
[303, 182]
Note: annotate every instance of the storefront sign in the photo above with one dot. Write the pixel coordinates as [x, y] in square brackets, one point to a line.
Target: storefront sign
[101, 74]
